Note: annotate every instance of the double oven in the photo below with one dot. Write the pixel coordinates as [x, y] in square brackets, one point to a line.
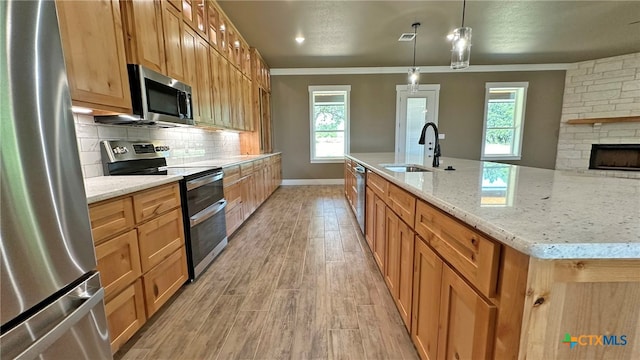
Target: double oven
[201, 191]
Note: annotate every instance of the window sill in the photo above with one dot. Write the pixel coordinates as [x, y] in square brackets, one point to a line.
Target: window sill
[327, 161]
[497, 158]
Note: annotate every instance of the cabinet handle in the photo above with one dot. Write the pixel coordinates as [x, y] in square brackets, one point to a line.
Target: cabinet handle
[155, 290]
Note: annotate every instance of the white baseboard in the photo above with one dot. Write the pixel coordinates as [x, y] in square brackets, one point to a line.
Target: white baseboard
[313, 182]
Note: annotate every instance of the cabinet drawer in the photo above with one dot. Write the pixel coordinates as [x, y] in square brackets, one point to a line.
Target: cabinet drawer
[402, 203]
[125, 314]
[110, 218]
[379, 185]
[118, 262]
[474, 256]
[246, 168]
[156, 201]
[159, 238]
[233, 195]
[234, 218]
[258, 164]
[164, 280]
[231, 175]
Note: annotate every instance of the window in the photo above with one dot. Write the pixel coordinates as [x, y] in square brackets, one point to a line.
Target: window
[329, 112]
[503, 120]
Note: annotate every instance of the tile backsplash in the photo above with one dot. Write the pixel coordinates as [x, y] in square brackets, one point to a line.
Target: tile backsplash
[187, 144]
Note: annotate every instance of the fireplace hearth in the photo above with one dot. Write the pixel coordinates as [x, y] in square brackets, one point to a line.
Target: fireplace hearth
[615, 157]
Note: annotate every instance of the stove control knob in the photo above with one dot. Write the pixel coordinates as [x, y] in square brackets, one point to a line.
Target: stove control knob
[162, 148]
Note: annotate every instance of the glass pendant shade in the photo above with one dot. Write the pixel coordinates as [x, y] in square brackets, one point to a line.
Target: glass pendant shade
[414, 79]
[461, 48]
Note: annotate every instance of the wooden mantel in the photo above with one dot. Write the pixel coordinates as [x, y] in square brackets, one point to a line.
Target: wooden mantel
[604, 120]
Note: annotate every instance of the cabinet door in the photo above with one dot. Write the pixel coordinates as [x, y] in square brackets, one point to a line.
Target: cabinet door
[164, 280]
[118, 262]
[225, 93]
[214, 58]
[369, 221]
[125, 315]
[236, 116]
[247, 101]
[172, 23]
[427, 280]
[159, 238]
[145, 37]
[380, 234]
[189, 48]
[203, 80]
[467, 321]
[406, 239]
[234, 219]
[94, 53]
[392, 253]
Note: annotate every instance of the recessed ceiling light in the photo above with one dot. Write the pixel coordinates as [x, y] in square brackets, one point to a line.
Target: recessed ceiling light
[299, 39]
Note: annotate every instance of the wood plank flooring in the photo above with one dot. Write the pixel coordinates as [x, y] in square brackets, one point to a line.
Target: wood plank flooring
[297, 281]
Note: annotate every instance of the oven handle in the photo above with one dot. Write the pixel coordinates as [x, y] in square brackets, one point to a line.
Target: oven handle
[196, 183]
[207, 213]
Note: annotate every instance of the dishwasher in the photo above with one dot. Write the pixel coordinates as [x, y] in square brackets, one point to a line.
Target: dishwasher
[361, 183]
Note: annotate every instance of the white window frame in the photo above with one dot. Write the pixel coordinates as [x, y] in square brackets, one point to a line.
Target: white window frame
[312, 89]
[520, 117]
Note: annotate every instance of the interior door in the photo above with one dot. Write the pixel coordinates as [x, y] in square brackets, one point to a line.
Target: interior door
[413, 110]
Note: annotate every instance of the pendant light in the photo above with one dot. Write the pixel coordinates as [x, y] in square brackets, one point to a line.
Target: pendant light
[414, 72]
[461, 44]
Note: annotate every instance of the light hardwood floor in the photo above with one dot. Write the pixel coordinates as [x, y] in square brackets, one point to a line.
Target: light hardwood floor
[297, 281]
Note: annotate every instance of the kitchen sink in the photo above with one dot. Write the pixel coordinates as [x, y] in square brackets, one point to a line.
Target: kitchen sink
[405, 168]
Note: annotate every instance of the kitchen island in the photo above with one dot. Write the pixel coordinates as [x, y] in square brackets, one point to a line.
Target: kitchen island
[506, 260]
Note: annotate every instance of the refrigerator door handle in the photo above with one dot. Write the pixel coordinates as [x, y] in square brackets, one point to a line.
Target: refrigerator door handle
[40, 345]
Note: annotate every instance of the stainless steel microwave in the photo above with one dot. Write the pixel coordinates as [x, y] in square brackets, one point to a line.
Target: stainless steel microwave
[156, 100]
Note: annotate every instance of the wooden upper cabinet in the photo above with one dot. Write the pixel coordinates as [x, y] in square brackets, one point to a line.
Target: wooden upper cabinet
[203, 81]
[225, 92]
[189, 48]
[94, 52]
[467, 321]
[195, 15]
[144, 33]
[247, 99]
[214, 73]
[173, 25]
[213, 23]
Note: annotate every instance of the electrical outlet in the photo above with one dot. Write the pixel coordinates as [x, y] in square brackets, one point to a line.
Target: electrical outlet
[441, 136]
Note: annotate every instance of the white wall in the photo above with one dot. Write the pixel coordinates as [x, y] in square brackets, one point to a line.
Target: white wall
[187, 144]
[608, 87]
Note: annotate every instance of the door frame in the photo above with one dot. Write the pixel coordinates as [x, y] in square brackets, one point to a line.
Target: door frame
[402, 89]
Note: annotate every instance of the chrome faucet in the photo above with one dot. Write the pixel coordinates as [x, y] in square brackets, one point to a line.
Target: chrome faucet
[436, 148]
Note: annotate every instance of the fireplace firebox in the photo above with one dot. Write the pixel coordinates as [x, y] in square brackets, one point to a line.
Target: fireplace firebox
[615, 157]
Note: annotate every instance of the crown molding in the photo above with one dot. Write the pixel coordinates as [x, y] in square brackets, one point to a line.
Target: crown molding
[423, 69]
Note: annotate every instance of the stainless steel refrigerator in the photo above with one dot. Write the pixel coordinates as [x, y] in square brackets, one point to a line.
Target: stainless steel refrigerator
[51, 301]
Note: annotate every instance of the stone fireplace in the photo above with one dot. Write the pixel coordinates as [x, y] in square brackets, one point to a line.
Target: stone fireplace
[615, 157]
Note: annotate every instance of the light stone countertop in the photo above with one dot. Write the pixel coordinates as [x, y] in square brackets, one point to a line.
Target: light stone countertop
[226, 161]
[107, 187]
[543, 213]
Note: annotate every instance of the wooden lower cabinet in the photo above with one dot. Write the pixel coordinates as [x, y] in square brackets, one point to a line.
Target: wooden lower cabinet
[109, 218]
[164, 280]
[427, 280]
[118, 262]
[125, 314]
[369, 221]
[467, 322]
[151, 203]
[159, 238]
[380, 234]
[234, 219]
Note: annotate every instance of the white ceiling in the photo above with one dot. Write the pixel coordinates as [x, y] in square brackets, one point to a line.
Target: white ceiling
[365, 33]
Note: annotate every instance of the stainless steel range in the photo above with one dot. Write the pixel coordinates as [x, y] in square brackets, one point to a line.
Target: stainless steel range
[201, 191]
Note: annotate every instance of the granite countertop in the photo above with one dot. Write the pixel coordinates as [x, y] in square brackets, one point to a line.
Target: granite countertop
[107, 187]
[547, 214]
[226, 161]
